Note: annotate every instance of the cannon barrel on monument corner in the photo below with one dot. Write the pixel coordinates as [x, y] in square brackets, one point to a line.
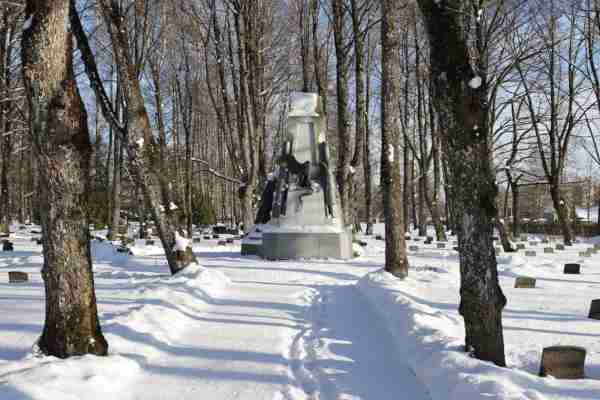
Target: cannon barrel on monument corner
[298, 215]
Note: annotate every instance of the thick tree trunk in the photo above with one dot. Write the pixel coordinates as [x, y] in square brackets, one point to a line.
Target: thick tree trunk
[63, 150]
[460, 99]
[504, 236]
[562, 213]
[421, 205]
[396, 261]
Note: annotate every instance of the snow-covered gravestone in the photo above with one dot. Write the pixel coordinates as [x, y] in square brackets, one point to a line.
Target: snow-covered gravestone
[299, 215]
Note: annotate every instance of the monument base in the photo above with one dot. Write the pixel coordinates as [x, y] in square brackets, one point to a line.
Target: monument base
[293, 245]
[251, 249]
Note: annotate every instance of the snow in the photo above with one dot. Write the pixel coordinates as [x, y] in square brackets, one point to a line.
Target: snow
[181, 243]
[242, 327]
[304, 104]
[28, 23]
[475, 83]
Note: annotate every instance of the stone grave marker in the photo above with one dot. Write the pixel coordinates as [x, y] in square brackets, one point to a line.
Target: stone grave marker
[221, 243]
[196, 240]
[17, 277]
[530, 253]
[584, 254]
[572, 268]
[533, 243]
[594, 309]
[597, 246]
[441, 245]
[560, 246]
[361, 243]
[230, 241]
[381, 238]
[498, 249]
[525, 282]
[520, 246]
[216, 236]
[7, 245]
[413, 248]
[563, 362]
[545, 241]
[523, 238]
[206, 237]
[429, 240]
[549, 250]
[149, 242]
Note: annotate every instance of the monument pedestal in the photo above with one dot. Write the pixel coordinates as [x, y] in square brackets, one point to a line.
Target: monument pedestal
[291, 245]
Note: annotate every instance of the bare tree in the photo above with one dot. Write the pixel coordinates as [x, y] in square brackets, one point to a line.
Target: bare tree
[62, 147]
[459, 78]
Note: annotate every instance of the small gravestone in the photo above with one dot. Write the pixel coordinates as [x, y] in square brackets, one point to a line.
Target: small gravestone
[545, 241]
[597, 246]
[455, 248]
[196, 240]
[584, 254]
[34, 239]
[215, 236]
[206, 237]
[123, 249]
[17, 277]
[572, 268]
[361, 243]
[413, 248]
[221, 243]
[530, 253]
[7, 245]
[563, 362]
[441, 245]
[548, 250]
[407, 238]
[149, 242]
[520, 246]
[560, 246]
[379, 237]
[524, 282]
[523, 238]
[230, 241]
[39, 241]
[533, 243]
[416, 239]
[594, 309]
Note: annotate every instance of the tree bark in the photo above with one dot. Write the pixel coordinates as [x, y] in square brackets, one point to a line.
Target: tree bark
[63, 151]
[396, 261]
[460, 90]
[562, 213]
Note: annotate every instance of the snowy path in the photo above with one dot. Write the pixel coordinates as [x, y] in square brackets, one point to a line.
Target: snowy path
[311, 335]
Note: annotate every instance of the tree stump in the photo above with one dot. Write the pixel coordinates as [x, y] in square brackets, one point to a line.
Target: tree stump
[530, 253]
[594, 309]
[548, 250]
[7, 245]
[524, 282]
[572, 268]
[563, 362]
[17, 277]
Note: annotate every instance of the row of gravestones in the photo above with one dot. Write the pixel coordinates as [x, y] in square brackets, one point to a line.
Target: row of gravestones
[563, 362]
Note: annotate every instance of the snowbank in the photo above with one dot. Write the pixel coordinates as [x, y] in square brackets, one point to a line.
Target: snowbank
[431, 340]
[87, 377]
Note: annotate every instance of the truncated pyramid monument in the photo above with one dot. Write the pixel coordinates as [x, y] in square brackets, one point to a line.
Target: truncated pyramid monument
[299, 216]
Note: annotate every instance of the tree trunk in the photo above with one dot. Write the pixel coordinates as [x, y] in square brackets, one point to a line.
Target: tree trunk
[562, 213]
[63, 152]
[460, 90]
[396, 261]
[516, 222]
[115, 219]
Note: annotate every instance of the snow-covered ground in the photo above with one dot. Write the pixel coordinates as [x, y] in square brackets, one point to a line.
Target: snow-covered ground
[252, 329]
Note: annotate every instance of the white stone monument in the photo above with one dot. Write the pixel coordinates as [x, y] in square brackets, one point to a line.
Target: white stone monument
[300, 216]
